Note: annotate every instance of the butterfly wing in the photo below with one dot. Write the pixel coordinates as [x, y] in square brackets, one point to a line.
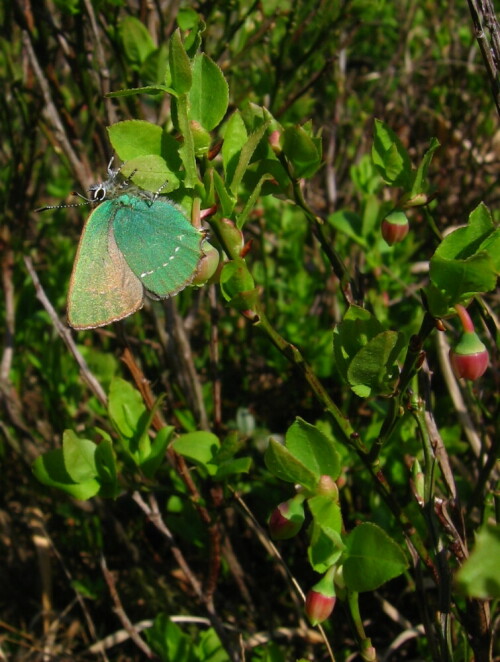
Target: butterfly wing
[159, 244]
[103, 288]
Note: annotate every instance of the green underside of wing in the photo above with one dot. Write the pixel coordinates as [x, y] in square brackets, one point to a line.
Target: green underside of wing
[160, 245]
[103, 288]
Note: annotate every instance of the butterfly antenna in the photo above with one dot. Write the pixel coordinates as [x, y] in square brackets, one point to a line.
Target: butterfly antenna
[88, 201]
[156, 195]
[78, 204]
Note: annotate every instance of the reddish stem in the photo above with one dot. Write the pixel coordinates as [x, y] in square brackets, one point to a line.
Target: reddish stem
[465, 319]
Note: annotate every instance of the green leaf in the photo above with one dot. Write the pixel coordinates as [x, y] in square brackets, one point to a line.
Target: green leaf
[151, 173]
[237, 465]
[252, 199]
[137, 41]
[302, 151]
[154, 68]
[465, 263]
[197, 447]
[180, 66]
[352, 334]
[186, 150]
[126, 408]
[235, 279]
[491, 246]
[372, 558]
[133, 138]
[478, 577]
[79, 457]
[325, 547]
[106, 470]
[51, 469]
[326, 511]
[458, 280]
[226, 199]
[420, 183]
[209, 94]
[465, 242]
[390, 157]
[235, 136]
[133, 91]
[210, 649]
[158, 449]
[245, 155]
[285, 466]
[130, 418]
[373, 369]
[349, 224]
[314, 449]
[187, 18]
[169, 642]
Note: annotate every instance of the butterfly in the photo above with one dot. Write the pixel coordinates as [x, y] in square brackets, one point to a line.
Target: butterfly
[133, 243]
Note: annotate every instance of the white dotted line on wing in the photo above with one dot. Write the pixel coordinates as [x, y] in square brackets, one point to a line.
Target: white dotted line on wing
[148, 273]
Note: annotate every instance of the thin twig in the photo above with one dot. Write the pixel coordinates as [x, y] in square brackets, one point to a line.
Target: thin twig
[153, 513]
[483, 16]
[120, 612]
[8, 288]
[102, 62]
[143, 385]
[79, 598]
[184, 356]
[214, 359]
[66, 336]
[77, 165]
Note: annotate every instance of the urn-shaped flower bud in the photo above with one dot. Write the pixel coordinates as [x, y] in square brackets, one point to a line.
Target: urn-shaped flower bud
[319, 606]
[231, 235]
[328, 487]
[275, 141]
[395, 227]
[469, 357]
[286, 519]
[418, 479]
[207, 266]
[320, 600]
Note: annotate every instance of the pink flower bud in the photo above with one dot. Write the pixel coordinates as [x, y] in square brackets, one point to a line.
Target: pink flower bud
[207, 265]
[466, 362]
[469, 358]
[320, 600]
[328, 487]
[318, 606]
[395, 227]
[275, 141]
[286, 519]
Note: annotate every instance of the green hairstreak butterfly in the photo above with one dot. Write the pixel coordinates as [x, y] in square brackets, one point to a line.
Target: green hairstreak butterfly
[132, 243]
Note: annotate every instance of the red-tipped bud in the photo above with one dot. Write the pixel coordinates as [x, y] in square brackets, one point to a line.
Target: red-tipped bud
[418, 482]
[328, 487]
[231, 235]
[320, 600]
[208, 264]
[416, 201]
[395, 227]
[469, 358]
[286, 519]
[275, 141]
[319, 606]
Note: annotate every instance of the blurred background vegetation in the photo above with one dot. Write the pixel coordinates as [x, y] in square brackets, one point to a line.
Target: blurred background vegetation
[413, 64]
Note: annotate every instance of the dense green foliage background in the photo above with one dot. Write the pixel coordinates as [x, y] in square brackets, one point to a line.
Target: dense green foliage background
[414, 65]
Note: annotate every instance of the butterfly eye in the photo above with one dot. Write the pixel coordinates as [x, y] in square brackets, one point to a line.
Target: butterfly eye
[98, 191]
